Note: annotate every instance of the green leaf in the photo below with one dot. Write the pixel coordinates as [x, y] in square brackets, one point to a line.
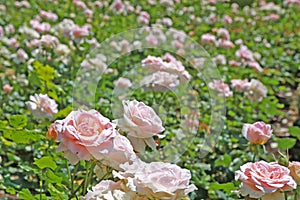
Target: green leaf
[52, 178]
[21, 136]
[295, 131]
[224, 160]
[18, 121]
[286, 143]
[226, 187]
[26, 194]
[45, 162]
[185, 110]
[3, 124]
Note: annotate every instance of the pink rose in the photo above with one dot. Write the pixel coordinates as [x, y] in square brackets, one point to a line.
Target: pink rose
[265, 180]
[157, 180]
[161, 81]
[257, 133]
[294, 168]
[256, 66]
[123, 83]
[87, 134]
[142, 123]
[240, 85]
[245, 54]
[208, 38]
[7, 88]
[220, 87]
[42, 106]
[223, 33]
[109, 190]
[256, 91]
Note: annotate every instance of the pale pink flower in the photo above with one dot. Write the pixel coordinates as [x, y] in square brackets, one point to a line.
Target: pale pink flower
[225, 43]
[7, 88]
[89, 13]
[13, 43]
[220, 59]
[257, 91]
[240, 85]
[212, 18]
[161, 81]
[84, 135]
[227, 19]
[291, 2]
[144, 18]
[80, 32]
[167, 21]
[48, 15]
[255, 65]
[265, 180]
[80, 4]
[141, 123]
[41, 106]
[220, 87]
[208, 38]
[294, 168]
[223, 33]
[168, 3]
[9, 29]
[122, 83]
[151, 40]
[234, 63]
[49, 41]
[157, 180]
[257, 133]
[244, 53]
[118, 4]
[22, 55]
[25, 4]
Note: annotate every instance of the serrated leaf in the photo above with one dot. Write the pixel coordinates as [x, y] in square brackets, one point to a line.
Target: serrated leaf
[18, 121]
[52, 178]
[45, 162]
[286, 143]
[295, 131]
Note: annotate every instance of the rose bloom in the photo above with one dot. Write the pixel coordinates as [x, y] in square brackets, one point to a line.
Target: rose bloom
[255, 65]
[123, 83]
[208, 38]
[223, 33]
[240, 85]
[87, 134]
[7, 88]
[257, 91]
[244, 53]
[265, 180]
[220, 87]
[108, 190]
[294, 168]
[161, 81]
[225, 43]
[42, 106]
[141, 123]
[257, 133]
[157, 180]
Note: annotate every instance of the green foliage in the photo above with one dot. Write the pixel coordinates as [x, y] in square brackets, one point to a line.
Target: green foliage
[46, 162]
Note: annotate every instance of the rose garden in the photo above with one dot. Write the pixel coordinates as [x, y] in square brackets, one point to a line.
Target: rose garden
[155, 99]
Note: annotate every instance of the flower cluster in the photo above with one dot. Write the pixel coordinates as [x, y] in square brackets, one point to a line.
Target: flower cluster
[88, 135]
